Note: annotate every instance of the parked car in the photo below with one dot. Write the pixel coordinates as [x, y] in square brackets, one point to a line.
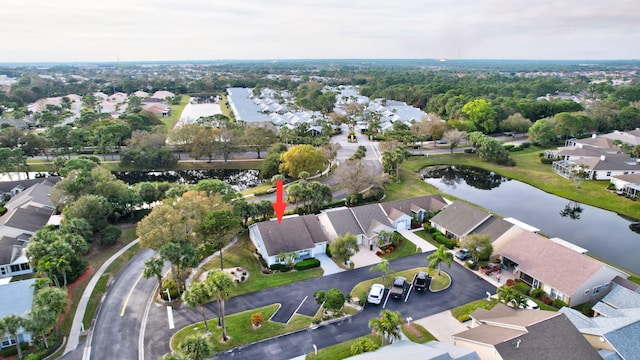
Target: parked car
[531, 305]
[399, 288]
[463, 254]
[490, 268]
[421, 281]
[376, 293]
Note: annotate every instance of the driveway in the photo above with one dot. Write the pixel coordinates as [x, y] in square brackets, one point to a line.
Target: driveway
[328, 266]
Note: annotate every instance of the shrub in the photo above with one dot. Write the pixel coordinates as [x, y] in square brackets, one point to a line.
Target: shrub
[328, 252]
[12, 350]
[363, 345]
[547, 300]
[559, 303]
[3, 210]
[307, 264]
[469, 151]
[257, 319]
[109, 235]
[472, 265]
[464, 317]
[537, 293]
[510, 282]
[280, 267]
[168, 283]
[262, 262]
[526, 144]
[427, 226]
[441, 239]
[546, 161]
[508, 147]
[523, 287]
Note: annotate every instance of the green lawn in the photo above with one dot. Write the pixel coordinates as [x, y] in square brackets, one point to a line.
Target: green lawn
[462, 312]
[243, 254]
[339, 351]
[406, 248]
[240, 330]
[529, 170]
[427, 236]
[176, 111]
[423, 338]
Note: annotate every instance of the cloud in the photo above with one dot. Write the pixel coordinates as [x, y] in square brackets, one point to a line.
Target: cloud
[74, 30]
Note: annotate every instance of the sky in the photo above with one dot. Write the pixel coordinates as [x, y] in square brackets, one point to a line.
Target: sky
[137, 30]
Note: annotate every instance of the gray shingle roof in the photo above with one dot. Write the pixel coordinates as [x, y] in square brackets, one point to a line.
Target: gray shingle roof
[29, 218]
[370, 216]
[625, 341]
[343, 221]
[428, 203]
[6, 186]
[460, 218]
[293, 234]
[494, 227]
[244, 108]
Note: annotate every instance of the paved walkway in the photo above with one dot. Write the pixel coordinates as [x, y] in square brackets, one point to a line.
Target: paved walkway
[442, 326]
[74, 334]
[421, 243]
[328, 265]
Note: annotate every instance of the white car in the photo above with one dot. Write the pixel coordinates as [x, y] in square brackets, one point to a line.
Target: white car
[531, 305]
[376, 293]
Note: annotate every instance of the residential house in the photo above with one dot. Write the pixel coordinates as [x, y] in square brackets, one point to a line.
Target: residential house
[561, 272]
[302, 235]
[27, 212]
[420, 209]
[628, 185]
[507, 333]
[598, 168]
[162, 94]
[459, 219]
[157, 109]
[615, 327]
[365, 222]
[16, 298]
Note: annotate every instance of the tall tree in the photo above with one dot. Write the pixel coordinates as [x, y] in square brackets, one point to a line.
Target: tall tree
[479, 246]
[153, 268]
[344, 247]
[182, 255]
[220, 283]
[11, 324]
[221, 226]
[259, 138]
[441, 255]
[198, 294]
[355, 177]
[301, 158]
[454, 137]
[481, 113]
[516, 123]
[387, 326]
[383, 267]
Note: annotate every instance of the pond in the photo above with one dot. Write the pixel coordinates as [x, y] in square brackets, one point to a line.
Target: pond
[605, 234]
[238, 179]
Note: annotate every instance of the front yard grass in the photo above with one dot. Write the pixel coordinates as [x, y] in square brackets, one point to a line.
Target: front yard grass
[242, 254]
[405, 248]
[176, 111]
[339, 351]
[420, 339]
[240, 330]
[462, 312]
[427, 236]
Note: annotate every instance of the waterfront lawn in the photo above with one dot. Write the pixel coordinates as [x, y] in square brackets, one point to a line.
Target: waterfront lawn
[529, 170]
[243, 254]
[240, 330]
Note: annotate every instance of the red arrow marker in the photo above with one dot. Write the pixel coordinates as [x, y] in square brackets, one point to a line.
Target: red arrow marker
[279, 206]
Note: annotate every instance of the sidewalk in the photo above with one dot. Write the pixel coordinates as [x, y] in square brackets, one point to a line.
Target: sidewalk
[421, 243]
[74, 334]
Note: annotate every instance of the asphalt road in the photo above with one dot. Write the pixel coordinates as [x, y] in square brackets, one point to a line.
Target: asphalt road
[116, 332]
[465, 287]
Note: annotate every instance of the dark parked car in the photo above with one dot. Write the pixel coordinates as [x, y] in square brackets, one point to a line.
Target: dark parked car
[463, 254]
[421, 281]
[399, 288]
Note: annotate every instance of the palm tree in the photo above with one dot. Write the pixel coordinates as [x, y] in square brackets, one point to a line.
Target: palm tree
[198, 294]
[221, 225]
[52, 300]
[153, 267]
[383, 267]
[441, 255]
[220, 284]
[387, 326]
[511, 295]
[10, 324]
[195, 348]
[40, 321]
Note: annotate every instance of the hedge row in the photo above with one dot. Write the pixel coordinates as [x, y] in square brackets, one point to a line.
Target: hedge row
[308, 264]
[12, 350]
[443, 240]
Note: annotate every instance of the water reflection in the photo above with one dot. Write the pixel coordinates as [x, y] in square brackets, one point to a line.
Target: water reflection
[451, 175]
[572, 210]
[238, 179]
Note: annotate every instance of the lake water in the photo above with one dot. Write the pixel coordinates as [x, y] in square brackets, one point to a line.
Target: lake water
[238, 179]
[605, 234]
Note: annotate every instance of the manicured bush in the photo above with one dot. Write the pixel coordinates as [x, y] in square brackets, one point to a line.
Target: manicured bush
[3, 210]
[12, 350]
[262, 261]
[469, 151]
[168, 283]
[516, 148]
[526, 144]
[257, 319]
[523, 288]
[510, 282]
[328, 252]
[546, 161]
[464, 317]
[559, 303]
[508, 147]
[308, 264]
[547, 300]
[537, 293]
[280, 267]
[441, 239]
[472, 265]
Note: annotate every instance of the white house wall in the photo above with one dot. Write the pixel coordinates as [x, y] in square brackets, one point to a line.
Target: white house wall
[256, 239]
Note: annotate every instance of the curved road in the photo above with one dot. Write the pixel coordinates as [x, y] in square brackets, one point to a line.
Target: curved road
[116, 334]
